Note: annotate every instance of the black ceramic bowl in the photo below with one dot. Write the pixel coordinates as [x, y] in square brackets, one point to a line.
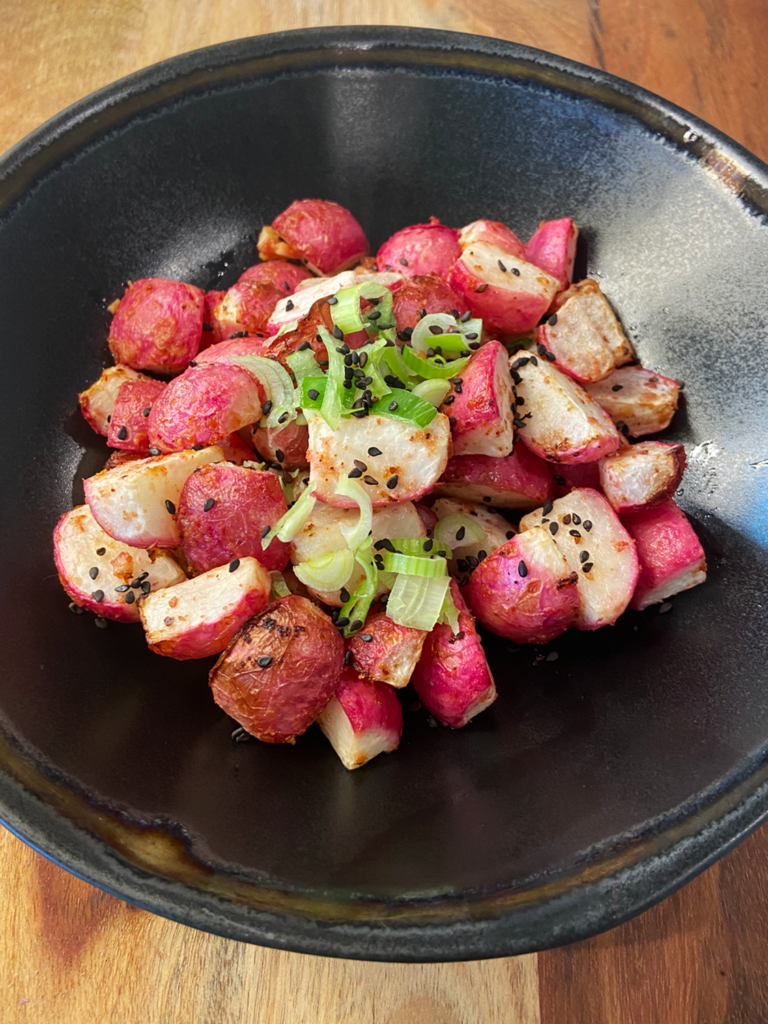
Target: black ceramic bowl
[597, 783]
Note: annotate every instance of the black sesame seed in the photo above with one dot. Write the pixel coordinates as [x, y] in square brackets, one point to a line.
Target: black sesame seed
[93, 572]
[452, 420]
[360, 413]
[313, 394]
[587, 524]
[146, 586]
[518, 363]
[349, 657]
[465, 316]
[559, 479]
[348, 360]
[192, 362]
[515, 271]
[428, 544]
[154, 451]
[360, 465]
[289, 305]
[239, 334]
[337, 332]
[522, 569]
[207, 327]
[197, 447]
[385, 544]
[130, 597]
[584, 557]
[284, 417]
[574, 533]
[567, 519]
[109, 418]
[170, 507]
[422, 313]
[367, 637]
[75, 608]
[264, 661]
[279, 454]
[266, 409]
[501, 266]
[587, 567]
[374, 452]
[122, 588]
[362, 358]
[98, 596]
[550, 356]
[357, 624]
[392, 406]
[146, 412]
[553, 528]
[354, 474]
[100, 623]
[342, 620]
[541, 349]
[265, 531]
[450, 400]
[303, 346]
[533, 361]
[510, 534]
[486, 497]
[552, 320]
[122, 433]
[370, 481]
[332, 301]
[617, 387]
[209, 503]
[481, 287]
[461, 532]
[101, 551]
[622, 426]
[403, 260]
[234, 565]
[435, 329]
[471, 336]
[481, 554]
[666, 607]
[548, 506]
[344, 594]
[576, 519]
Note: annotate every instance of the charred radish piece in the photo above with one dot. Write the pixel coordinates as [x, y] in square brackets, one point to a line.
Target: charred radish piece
[493, 232]
[671, 556]
[104, 575]
[323, 235]
[452, 677]
[639, 401]
[222, 513]
[584, 335]
[385, 651]
[483, 407]
[513, 299]
[280, 670]
[199, 617]
[521, 480]
[562, 422]
[204, 405]
[98, 402]
[421, 249]
[643, 475]
[597, 548]
[412, 458]
[525, 590]
[136, 502]
[553, 248]
[157, 325]
[361, 720]
[129, 426]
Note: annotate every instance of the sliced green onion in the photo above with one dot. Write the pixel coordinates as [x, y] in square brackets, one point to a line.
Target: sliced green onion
[414, 565]
[449, 613]
[329, 572]
[421, 338]
[357, 534]
[408, 407]
[375, 352]
[433, 391]
[416, 546]
[446, 530]
[428, 367]
[394, 360]
[294, 519]
[448, 342]
[417, 602]
[287, 328]
[277, 385]
[346, 310]
[333, 402]
[357, 607]
[303, 364]
[279, 586]
[317, 384]
[301, 419]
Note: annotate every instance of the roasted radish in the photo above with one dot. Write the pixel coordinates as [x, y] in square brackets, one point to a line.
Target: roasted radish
[671, 556]
[286, 445]
[362, 719]
[642, 475]
[553, 248]
[467, 552]
[482, 405]
[280, 670]
[247, 306]
[423, 295]
[525, 590]
[386, 652]
[597, 548]
[157, 325]
[103, 574]
[493, 232]
[199, 617]
[639, 401]
[129, 426]
[284, 275]
[421, 249]
[521, 480]
[323, 235]
[98, 401]
[136, 502]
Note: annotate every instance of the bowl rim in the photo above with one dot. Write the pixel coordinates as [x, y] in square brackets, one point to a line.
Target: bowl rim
[149, 864]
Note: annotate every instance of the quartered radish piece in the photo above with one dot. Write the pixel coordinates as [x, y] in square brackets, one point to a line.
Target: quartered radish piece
[362, 719]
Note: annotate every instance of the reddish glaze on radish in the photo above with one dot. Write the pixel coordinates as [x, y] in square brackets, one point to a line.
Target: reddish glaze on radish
[324, 235]
[361, 720]
[157, 325]
[553, 248]
[421, 249]
[671, 556]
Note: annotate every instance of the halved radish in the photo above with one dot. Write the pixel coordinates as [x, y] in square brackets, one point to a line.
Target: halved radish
[323, 235]
[642, 475]
[98, 401]
[136, 502]
[493, 232]
[421, 249]
[97, 571]
[129, 426]
[385, 651]
[639, 401]
[361, 720]
[560, 421]
[597, 548]
[199, 617]
[521, 480]
[482, 405]
[553, 248]
[671, 556]
[497, 532]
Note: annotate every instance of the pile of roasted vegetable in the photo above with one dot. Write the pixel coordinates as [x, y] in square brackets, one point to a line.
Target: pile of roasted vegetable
[314, 494]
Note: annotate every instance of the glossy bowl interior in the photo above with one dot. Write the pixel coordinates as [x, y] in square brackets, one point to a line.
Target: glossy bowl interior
[597, 783]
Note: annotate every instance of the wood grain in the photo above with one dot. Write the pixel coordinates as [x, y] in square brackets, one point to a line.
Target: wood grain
[71, 954]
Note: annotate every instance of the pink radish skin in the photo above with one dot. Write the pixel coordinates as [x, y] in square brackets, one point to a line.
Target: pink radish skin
[583, 474]
[133, 399]
[421, 249]
[553, 248]
[643, 401]
[212, 336]
[671, 556]
[428, 518]
[199, 617]
[521, 480]
[223, 350]
[245, 501]
[525, 590]
[279, 700]
[391, 652]
[247, 306]
[494, 233]
[362, 719]
[643, 475]
[452, 678]
[278, 273]
[97, 403]
[428, 292]
[286, 445]
[204, 405]
[76, 541]
[512, 300]
[157, 325]
[483, 408]
[324, 235]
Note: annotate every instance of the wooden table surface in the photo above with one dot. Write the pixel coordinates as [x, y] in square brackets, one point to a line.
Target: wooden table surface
[70, 954]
